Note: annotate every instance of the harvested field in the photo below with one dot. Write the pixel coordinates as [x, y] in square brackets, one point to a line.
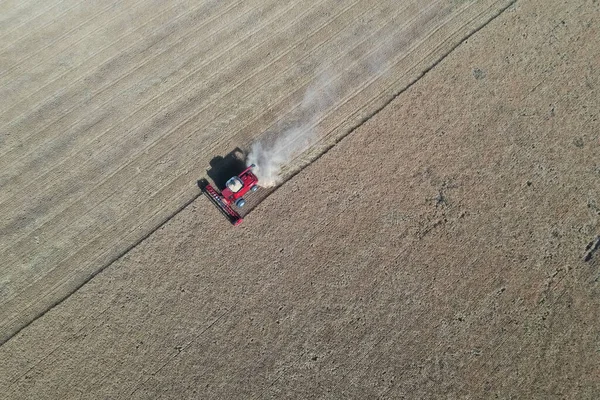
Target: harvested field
[445, 246]
[112, 111]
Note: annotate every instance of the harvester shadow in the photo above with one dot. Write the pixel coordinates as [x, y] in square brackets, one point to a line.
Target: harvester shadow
[223, 168]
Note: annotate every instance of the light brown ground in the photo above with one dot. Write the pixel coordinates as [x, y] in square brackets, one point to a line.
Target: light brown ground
[112, 110]
[465, 278]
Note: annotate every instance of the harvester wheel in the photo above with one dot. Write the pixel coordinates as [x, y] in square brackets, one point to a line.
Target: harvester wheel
[240, 203]
[254, 188]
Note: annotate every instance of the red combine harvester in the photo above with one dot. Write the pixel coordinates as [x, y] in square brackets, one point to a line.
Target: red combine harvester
[233, 194]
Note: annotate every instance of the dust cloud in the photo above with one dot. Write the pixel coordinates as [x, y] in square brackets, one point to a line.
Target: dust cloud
[272, 152]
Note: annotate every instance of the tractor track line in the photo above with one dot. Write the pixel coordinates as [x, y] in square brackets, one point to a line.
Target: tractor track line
[30, 20]
[8, 70]
[360, 123]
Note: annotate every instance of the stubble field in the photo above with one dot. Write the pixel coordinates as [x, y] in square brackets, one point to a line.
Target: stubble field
[444, 245]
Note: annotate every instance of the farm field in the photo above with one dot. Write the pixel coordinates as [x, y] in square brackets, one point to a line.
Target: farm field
[439, 239]
[112, 110]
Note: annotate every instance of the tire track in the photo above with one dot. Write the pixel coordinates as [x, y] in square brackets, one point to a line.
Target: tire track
[71, 127]
[36, 134]
[3, 37]
[66, 34]
[27, 99]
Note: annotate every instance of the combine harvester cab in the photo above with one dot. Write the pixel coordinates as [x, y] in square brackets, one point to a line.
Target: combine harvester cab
[233, 194]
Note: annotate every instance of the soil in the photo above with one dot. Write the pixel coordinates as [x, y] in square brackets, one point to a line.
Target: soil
[444, 246]
[112, 111]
